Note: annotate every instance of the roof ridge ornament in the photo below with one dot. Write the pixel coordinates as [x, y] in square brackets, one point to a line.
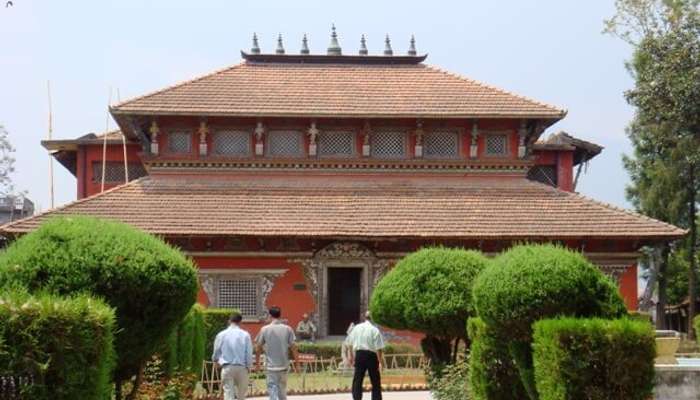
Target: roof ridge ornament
[363, 46]
[256, 48]
[412, 49]
[334, 48]
[304, 45]
[387, 48]
[280, 46]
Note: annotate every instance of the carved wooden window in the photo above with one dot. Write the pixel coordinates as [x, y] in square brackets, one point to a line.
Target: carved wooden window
[388, 143]
[287, 143]
[231, 143]
[240, 293]
[496, 145]
[546, 174]
[180, 142]
[336, 144]
[114, 171]
[442, 143]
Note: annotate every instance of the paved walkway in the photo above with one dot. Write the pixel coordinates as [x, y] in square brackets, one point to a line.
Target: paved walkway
[367, 396]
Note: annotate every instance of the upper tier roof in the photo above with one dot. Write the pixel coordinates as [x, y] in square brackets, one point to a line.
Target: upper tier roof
[350, 86]
[495, 208]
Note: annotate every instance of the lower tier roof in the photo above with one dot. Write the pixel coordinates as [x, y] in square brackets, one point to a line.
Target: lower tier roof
[487, 208]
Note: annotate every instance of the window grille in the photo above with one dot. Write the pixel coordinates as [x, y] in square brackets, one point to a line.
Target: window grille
[284, 143]
[114, 171]
[441, 144]
[496, 145]
[231, 143]
[180, 142]
[336, 144]
[546, 174]
[388, 144]
[241, 294]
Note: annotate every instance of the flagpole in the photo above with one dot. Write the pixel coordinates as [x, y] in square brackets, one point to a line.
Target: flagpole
[50, 136]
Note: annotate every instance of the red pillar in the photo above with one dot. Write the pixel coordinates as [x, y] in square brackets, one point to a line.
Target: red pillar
[628, 287]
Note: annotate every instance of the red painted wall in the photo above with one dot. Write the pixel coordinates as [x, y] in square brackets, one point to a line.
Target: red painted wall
[294, 303]
[87, 155]
[628, 287]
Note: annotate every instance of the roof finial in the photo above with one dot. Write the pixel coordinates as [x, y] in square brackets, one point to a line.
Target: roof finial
[280, 46]
[363, 46]
[334, 48]
[387, 48]
[304, 45]
[256, 48]
[412, 48]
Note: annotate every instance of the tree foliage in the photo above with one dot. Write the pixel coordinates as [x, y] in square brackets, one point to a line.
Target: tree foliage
[429, 291]
[665, 134]
[532, 282]
[7, 163]
[150, 284]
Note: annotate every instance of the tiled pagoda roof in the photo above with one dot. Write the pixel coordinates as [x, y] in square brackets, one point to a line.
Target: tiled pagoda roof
[360, 207]
[347, 88]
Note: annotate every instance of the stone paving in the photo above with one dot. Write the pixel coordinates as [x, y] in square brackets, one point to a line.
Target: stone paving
[347, 396]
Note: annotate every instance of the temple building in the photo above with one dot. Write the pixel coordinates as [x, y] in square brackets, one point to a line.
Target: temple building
[299, 179]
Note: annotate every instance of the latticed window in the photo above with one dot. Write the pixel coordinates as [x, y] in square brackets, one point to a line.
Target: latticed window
[231, 143]
[496, 145]
[546, 174]
[114, 171]
[180, 142]
[388, 144]
[336, 144]
[284, 143]
[241, 294]
[441, 144]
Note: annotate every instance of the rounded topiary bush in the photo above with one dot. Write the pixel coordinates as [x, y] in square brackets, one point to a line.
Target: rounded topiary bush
[429, 291]
[531, 282]
[150, 284]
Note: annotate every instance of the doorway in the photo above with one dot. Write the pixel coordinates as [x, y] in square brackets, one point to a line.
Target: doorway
[344, 295]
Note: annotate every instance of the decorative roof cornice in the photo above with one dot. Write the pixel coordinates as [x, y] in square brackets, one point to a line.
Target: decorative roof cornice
[332, 59]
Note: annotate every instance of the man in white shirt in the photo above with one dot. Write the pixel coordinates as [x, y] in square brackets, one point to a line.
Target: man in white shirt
[367, 344]
[233, 352]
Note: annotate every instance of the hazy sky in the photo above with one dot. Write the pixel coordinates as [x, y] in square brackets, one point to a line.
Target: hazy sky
[550, 50]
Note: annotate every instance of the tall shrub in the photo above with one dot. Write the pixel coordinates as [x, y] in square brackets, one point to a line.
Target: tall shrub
[429, 291]
[150, 284]
[492, 373]
[215, 320]
[532, 282]
[594, 359]
[64, 344]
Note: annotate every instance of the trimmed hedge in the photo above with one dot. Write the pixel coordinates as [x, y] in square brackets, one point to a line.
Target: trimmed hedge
[594, 359]
[215, 321]
[150, 284]
[532, 282]
[492, 373]
[65, 344]
[429, 291]
[184, 348]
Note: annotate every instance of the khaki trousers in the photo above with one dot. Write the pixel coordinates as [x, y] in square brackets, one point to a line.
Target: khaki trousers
[235, 381]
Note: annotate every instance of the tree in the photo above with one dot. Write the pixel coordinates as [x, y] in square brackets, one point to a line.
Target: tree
[7, 163]
[665, 168]
[529, 283]
[429, 291]
[151, 285]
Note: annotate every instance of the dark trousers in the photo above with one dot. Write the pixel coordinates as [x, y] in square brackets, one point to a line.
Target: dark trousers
[366, 361]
